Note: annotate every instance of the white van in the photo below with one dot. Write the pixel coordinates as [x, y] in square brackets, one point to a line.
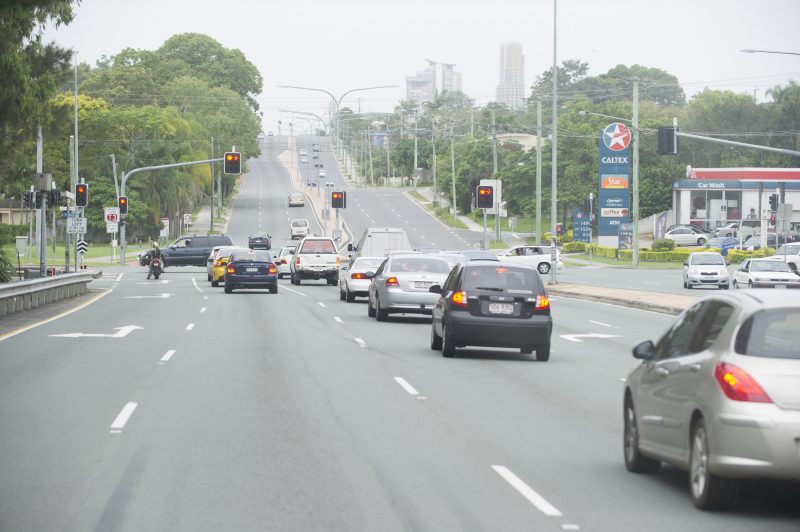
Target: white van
[299, 228]
[380, 241]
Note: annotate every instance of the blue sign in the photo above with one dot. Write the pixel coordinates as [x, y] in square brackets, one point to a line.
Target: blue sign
[614, 171]
[625, 236]
[581, 226]
[68, 214]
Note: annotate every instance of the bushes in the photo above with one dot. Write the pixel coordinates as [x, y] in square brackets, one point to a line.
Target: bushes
[8, 232]
[663, 244]
[575, 247]
[734, 255]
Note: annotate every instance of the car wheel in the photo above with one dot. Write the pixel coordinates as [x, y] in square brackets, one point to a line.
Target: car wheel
[380, 313]
[436, 340]
[448, 343]
[543, 268]
[215, 283]
[635, 461]
[210, 278]
[543, 352]
[349, 296]
[273, 289]
[724, 286]
[228, 289]
[701, 241]
[370, 308]
[685, 284]
[689, 286]
[749, 284]
[341, 294]
[735, 285]
[709, 492]
[526, 349]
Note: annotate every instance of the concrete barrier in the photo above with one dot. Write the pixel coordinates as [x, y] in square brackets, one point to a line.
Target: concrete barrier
[24, 295]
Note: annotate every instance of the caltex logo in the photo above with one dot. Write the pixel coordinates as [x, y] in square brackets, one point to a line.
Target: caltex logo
[616, 136]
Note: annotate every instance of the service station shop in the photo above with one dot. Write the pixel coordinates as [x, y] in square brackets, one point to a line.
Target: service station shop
[713, 197]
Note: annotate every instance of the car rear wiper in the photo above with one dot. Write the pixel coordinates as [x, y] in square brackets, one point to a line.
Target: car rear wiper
[492, 288]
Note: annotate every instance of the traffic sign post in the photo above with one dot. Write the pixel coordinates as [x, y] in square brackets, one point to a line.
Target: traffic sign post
[76, 226]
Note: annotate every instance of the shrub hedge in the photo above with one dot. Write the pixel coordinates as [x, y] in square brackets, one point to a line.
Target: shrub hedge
[9, 232]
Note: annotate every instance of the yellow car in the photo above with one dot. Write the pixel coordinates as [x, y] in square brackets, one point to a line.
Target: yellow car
[220, 260]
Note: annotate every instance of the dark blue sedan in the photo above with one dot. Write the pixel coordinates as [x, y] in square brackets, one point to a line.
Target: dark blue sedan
[251, 269]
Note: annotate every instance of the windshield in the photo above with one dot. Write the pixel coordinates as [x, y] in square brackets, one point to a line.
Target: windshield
[707, 259]
[299, 223]
[251, 255]
[501, 279]
[418, 264]
[318, 246]
[367, 264]
[771, 333]
[768, 266]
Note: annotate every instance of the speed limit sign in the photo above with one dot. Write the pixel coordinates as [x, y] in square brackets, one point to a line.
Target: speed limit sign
[112, 214]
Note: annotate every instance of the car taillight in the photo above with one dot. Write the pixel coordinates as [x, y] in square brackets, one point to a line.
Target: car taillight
[392, 281]
[542, 302]
[231, 269]
[459, 298]
[297, 261]
[357, 276]
[273, 269]
[738, 385]
[283, 261]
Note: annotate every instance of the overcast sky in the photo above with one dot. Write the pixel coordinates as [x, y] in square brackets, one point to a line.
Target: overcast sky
[345, 44]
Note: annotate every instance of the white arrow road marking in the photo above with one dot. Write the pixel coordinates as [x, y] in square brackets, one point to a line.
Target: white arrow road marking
[122, 417]
[122, 332]
[577, 337]
[534, 498]
[158, 296]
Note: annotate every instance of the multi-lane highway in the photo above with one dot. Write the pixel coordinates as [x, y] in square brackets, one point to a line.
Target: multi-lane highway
[173, 406]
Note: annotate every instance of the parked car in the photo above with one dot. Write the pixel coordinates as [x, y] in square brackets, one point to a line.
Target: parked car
[535, 256]
[193, 250]
[296, 200]
[259, 240]
[723, 244]
[283, 260]
[298, 228]
[401, 285]
[220, 261]
[765, 273]
[492, 304]
[755, 242]
[689, 226]
[741, 229]
[251, 268]
[790, 254]
[705, 268]
[687, 236]
[355, 278]
[719, 395]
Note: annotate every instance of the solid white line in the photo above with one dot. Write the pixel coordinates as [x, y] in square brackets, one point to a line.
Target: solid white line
[623, 379]
[600, 323]
[194, 281]
[338, 319]
[526, 491]
[321, 304]
[203, 309]
[123, 416]
[190, 327]
[406, 386]
[293, 291]
[119, 277]
[167, 355]
[206, 297]
[570, 527]
[360, 342]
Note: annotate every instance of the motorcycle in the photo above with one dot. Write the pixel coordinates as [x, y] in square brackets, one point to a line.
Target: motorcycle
[156, 267]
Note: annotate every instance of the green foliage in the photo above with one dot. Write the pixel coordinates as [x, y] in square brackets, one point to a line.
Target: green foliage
[663, 244]
[604, 251]
[7, 267]
[735, 255]
[575, 247]
[9, 232]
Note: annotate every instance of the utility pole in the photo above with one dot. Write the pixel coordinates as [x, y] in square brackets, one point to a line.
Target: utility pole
[635, 132]
[75, 175]
[369, 147]
[211, 229]
[433, 145]
[453, 168]
[554, 141]
[416, 134]
[41, 220]
[538, 172]
[494, 175]
[472, 123]
[67, 238]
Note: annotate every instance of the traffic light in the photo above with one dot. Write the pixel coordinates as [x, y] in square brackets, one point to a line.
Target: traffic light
[81, 194]
[38, 199]
[232, 162]
[26, 198]
[338, 200]
[668, 140]
[123, 204]
[773, 202]
[485, 197]
[55, 197]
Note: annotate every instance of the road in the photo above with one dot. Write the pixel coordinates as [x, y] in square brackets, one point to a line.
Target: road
[294, 411]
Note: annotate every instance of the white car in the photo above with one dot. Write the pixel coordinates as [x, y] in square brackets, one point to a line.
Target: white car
[298, 228]
[296, 200]
[354, 279]
[537, 256]
[765, 273]
[788, 253]
[705, 268]
[283, 260]
[687, 236]
[322, 173]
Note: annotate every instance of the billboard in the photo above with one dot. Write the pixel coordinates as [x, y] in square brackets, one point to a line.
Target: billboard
[614, 171]
[581, 226]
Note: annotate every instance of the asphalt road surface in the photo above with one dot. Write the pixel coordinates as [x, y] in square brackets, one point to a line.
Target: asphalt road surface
[170, 405]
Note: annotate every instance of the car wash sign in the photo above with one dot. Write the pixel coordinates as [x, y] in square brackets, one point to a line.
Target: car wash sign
[614, 180]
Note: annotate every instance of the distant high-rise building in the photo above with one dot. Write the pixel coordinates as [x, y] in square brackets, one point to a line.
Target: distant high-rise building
[451, 80]
[511, 89]
[421, 88]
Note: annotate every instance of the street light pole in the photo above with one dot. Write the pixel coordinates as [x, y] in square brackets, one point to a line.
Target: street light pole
[554, 142]
[635, 123]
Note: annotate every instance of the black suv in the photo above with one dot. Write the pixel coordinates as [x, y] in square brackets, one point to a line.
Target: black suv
[193, 250]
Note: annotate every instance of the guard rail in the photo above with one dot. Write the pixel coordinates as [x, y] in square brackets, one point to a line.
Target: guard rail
[23, 295]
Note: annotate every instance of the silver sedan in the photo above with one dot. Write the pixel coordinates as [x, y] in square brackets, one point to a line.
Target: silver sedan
[719, 395]
[402, 284]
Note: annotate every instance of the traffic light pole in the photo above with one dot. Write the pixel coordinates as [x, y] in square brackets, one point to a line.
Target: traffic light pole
[123, 243]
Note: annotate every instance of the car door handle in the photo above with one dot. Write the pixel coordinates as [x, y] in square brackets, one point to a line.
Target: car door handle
[661, 371]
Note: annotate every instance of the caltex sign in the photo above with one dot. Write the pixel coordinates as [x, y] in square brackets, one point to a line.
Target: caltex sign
[614, 170]
[617, 136]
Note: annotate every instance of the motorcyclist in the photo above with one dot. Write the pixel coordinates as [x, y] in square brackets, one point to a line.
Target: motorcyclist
[155, 253]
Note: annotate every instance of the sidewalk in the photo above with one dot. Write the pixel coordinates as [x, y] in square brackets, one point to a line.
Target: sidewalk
[654, 301]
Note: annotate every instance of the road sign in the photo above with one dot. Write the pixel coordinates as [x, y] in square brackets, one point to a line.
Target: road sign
[68, 213]
[112, 214]
[112, 227]
[187, 219]
[76, 225]
[82, 246]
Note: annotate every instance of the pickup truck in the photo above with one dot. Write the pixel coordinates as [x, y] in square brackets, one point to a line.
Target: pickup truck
[316, 258]
[536, 256]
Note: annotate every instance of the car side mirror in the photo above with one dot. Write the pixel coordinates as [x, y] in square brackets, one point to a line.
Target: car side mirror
[173, 246]
[344, 268]
[645, 350]
[350, 247]
[435, 289]
[686, 263]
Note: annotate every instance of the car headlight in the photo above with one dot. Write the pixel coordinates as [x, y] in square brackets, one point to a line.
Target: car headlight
[694, 271]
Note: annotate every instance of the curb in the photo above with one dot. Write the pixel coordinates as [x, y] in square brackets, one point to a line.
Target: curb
[630, 303]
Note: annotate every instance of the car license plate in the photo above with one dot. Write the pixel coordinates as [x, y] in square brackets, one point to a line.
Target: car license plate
[780, 286]
[501, 308]
[423, 284]
[251, 270]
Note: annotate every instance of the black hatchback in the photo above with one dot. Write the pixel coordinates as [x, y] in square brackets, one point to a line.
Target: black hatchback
[251, 269]
[492, 304]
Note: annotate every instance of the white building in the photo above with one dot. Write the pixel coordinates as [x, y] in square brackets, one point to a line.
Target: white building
[511, 89]
[451, 80]
[421, 88]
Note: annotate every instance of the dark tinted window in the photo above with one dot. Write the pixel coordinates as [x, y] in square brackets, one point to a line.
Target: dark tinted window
[219, 240]
[711, 324]
[771, 333]
[200, 242]
[451, 280]
[501, 278]
[676, 341]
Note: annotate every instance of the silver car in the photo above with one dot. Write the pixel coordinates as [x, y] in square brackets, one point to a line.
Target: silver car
[705, 268]
[402, 284]
[355, 278]
[765, 273]
[719, 395]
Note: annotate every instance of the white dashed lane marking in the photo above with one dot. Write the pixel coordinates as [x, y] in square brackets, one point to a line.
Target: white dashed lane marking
[526, 491]
[360, 342]
[167, 356]
[122, 418]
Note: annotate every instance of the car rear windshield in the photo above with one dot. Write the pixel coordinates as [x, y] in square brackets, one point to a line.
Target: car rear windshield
[419, 264]
[367, 264]
[318, 246]
[711, 258]
[501, 279]
[299, 223]
[252, 256]
[771, 333]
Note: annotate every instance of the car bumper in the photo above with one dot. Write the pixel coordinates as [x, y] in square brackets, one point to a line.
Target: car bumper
[218, 273]
[317, 273]
[284, 269]
[776, 284]
[762, 442]
[358, 287]
[251, 281]
[499, 332]
[712, 280]
[409, 302]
